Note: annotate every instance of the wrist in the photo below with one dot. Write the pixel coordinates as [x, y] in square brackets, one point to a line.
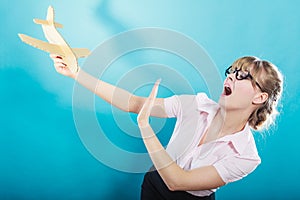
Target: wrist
[75, 74]
[142, 122]
[146, 131]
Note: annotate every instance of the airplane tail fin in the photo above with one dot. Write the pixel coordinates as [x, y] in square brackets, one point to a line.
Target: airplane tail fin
[50, 19]
[50, 14]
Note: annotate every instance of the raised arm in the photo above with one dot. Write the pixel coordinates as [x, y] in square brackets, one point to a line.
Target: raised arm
[116, 96]
[174, 176]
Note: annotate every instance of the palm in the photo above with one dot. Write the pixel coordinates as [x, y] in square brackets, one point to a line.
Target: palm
[60, 66]
[64, 71]
[144, 114]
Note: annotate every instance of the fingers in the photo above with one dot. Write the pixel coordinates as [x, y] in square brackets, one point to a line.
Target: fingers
[154, 91]
[151, 98]
[55, 56]
[60, 65]
[58, 61]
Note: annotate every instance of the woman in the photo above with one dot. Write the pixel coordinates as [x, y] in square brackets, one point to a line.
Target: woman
[212, 143]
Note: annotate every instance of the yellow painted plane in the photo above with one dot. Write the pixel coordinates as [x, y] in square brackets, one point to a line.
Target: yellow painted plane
[56, 43]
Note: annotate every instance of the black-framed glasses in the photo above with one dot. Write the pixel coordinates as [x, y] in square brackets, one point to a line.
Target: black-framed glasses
[241, 75]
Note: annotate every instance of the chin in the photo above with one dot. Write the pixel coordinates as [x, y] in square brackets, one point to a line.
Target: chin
[226, 102]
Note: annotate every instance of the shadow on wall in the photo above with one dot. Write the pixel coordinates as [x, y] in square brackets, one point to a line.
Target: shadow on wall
[105, 16]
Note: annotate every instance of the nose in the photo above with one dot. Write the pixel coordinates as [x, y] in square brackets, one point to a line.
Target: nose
[230, 77]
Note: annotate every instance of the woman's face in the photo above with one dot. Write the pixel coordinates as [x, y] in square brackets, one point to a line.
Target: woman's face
[238, 90]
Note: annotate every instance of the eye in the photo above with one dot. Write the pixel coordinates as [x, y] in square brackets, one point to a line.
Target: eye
[243, 75]
[233, 70]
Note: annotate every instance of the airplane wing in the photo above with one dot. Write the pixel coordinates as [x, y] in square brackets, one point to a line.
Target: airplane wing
[45, 46]
[45, 22]
[52, 48]
[81, 52]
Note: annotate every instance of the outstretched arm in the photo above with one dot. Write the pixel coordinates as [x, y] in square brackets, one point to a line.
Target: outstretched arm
[116, 96]
[174, 176]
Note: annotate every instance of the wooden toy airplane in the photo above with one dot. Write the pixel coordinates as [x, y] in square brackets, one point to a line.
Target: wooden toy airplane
[56, 45]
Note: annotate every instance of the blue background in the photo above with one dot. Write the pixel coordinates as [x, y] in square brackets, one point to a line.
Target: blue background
[41, 155]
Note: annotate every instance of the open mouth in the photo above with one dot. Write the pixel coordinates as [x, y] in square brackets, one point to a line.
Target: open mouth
[227, 91]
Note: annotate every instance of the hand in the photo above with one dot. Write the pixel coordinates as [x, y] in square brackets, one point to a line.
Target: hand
[144, 114]
[61, 67]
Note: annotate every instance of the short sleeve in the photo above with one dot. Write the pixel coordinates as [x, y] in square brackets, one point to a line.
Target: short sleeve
[235, 168]
[172, 106]
[178, 105]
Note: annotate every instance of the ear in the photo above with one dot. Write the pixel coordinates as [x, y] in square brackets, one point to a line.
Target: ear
[260, 98]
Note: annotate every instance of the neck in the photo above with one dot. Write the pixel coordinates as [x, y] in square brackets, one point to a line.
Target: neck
[232, 121]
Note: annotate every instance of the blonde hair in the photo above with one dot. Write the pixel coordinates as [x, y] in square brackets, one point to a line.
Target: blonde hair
[271, 82]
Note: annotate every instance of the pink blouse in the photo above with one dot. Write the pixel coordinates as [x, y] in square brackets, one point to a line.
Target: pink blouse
[234, 156]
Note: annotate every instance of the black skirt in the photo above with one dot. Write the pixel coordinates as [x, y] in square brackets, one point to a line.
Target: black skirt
[154, 188]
